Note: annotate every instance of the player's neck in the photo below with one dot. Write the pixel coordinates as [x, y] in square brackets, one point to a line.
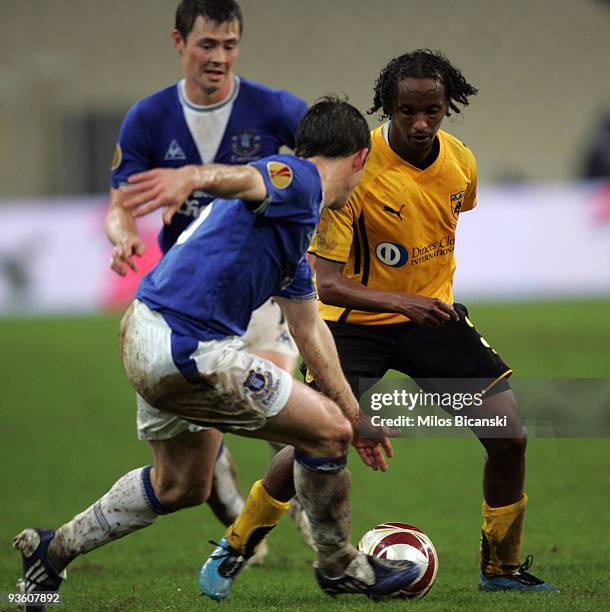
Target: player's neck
[419, 159]
[331, 172]
[201, 97]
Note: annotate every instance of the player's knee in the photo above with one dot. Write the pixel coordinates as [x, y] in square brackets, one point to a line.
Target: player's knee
[183, 493]
[514, 446]
[336, 435]
[518, 444]
[344, 435]
[339, 439]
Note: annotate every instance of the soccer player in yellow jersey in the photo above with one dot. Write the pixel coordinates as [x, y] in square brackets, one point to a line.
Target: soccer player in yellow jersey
[385, 265]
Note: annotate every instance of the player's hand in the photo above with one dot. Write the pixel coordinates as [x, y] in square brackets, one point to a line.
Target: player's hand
[124, 251]
[427, 311]
[371, 443]
[161, 187]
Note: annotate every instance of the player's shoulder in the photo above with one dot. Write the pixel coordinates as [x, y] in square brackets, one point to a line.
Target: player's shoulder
[284, 168]
[274, 101]
[378, 161]
[156, 105]
[293, 182]
[457, 150]
[264, 91]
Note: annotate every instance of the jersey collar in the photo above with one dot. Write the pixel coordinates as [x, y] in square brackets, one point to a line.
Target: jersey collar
[382, 140]
[212, 107]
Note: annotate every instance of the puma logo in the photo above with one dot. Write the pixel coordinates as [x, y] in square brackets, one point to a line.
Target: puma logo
[390, 210]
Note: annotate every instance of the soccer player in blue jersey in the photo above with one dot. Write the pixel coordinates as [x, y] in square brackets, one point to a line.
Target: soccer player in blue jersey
[182, 351]
[211, 115]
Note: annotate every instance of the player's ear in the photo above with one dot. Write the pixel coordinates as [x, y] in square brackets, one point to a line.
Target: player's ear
[360, 159]
[178, 41]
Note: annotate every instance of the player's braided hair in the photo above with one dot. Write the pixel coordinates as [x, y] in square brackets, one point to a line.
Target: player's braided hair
[421, 64]
[218, 11]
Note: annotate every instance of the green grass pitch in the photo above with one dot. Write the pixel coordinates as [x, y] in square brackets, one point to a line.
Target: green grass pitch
[68, 432]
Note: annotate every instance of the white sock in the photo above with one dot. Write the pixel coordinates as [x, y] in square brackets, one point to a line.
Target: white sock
[325, 496]
[131, 504]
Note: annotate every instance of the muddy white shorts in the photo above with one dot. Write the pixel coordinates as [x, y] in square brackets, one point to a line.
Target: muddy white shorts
[268, 331]
[184, 384]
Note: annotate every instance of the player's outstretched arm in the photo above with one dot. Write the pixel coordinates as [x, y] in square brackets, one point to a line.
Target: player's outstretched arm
[170, 187]
[338, 290]
[318, 349]
[122, 232]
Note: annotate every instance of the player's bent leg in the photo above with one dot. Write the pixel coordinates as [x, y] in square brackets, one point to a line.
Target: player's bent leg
[159, 428]
[322, 481]
[222, 385]
[505, 502]
[323, 485]
[128, 506]
[134, 502]
[182, 467]
[263, 510]
[321, 434]
[310, 422]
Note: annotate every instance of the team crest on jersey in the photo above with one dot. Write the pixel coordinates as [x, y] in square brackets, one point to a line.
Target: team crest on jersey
[280, 174]
[261, 385]
[174, 151]
[246, 143]
[457, 199]
[117, 158]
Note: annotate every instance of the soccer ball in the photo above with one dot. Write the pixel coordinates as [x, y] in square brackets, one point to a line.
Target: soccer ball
[404, 542]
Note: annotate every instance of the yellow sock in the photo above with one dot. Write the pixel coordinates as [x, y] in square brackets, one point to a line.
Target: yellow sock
[260, 514]
[501, 537]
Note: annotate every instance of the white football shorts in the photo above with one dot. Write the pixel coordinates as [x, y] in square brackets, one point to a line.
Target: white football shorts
[227, 388]
[268, 331]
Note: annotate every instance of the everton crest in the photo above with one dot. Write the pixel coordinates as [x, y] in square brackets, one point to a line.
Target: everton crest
[246, 143]
[261, 385]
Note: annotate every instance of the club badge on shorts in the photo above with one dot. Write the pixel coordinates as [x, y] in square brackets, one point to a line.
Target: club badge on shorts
[261, 385]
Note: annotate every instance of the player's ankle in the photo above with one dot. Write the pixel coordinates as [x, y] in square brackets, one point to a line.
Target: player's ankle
[58, 556]
[333, 564]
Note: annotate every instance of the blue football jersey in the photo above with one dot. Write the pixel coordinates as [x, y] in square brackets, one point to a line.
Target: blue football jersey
[155, 134]
[238, 254]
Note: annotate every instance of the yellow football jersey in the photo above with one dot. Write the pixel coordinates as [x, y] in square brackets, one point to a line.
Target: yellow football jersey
[397, 232]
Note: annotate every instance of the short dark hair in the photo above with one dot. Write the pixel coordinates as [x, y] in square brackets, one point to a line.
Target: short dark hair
[421, 64]
[218, 11]
[332, 127]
